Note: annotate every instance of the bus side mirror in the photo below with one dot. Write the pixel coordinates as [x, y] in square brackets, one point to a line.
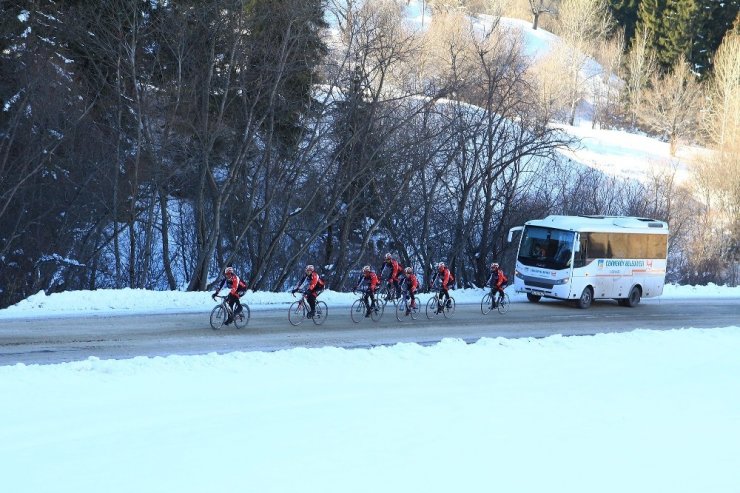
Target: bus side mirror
[577, 243]
[513, 230]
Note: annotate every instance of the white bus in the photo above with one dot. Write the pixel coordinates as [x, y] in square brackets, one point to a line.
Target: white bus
[582, 258]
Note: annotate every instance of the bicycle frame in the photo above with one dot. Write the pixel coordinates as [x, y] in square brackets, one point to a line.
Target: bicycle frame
[240, 320]
[301, 305]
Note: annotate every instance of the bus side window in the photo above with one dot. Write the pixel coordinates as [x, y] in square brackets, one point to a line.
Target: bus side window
[579, 260]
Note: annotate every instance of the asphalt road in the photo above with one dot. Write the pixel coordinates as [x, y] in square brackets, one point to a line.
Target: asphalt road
[56, 340]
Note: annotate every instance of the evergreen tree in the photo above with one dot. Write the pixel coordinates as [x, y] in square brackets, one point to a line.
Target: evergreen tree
[714, 20]
[676, 38]
[650, 13]
[288, 46]
[693, 29]
[626, 14]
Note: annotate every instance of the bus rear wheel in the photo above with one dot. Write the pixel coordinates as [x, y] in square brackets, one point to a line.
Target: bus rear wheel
[587, 296]
[533, 298]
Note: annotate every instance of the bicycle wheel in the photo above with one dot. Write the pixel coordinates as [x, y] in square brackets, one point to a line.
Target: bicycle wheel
[486, 305]
[241, 320]
[449, 308]
[432, 306]
[218, 317]
[381, 294]
[401, 310]
[415, 310]
[504, 304]
[357, 312]
[393, 295]
[376, 312]
[322, 311]
[296, 313]
[385, 294]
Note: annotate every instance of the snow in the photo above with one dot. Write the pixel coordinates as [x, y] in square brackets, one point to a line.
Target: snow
[641, 411]
[628, 155]
[140, 301]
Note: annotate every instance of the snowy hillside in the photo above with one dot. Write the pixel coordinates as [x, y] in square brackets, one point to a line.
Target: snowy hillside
[614, 152]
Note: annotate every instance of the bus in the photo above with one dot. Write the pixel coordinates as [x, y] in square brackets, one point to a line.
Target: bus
[583, 258]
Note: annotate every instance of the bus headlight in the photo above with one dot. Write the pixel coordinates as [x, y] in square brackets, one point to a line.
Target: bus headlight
[564, 280]
[518, 274]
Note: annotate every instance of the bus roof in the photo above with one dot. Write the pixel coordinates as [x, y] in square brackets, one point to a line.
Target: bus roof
[603, 224]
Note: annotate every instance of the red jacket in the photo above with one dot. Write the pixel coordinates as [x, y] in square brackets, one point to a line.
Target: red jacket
[412, 282]
[396, 269]
[314, 281]
[445, 277]
[497, 278]
[370, 279]
[234, 284]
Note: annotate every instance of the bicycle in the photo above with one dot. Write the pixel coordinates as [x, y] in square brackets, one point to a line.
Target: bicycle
[388, 293]
[359, 309]
[489, 303]
[300, 309]
[404, 308]
[223, 311]
[435, 307]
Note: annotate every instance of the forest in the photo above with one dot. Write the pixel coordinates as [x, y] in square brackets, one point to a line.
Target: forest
[149, 144]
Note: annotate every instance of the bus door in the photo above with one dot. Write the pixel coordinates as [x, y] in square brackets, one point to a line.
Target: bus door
[580, 250]
[588, 269]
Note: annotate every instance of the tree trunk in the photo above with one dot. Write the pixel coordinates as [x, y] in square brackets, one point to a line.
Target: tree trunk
[163, 205]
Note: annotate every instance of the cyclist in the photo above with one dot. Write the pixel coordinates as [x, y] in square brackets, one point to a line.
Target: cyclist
[394, 268]
[311, 285]
[443, 280]
[497, 282]
[367, 283]
[237, 288]
[409, 284]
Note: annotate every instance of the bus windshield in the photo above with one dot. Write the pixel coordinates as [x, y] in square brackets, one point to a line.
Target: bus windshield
[546, 247]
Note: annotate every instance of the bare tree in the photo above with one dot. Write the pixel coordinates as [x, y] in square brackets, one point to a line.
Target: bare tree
[641, 66]
[540, 7]
[670, 106]
[607, 86]
[582, 24]
[717, 175]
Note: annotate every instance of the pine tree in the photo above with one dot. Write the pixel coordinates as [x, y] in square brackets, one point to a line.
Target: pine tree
[649, 14]
[714, 20]
[693, 29]
[626, 14]
[676, 38]
[287, 46]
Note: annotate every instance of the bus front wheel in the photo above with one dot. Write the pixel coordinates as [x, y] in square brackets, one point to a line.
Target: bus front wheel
[587, 296]
[533, 298]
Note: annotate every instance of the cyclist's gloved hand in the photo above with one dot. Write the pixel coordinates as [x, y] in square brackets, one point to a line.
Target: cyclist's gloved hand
[213, 296]
[294, 291]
